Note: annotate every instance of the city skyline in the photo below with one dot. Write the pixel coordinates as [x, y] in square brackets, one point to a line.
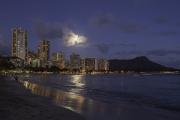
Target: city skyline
[117, 29]
[42, 59]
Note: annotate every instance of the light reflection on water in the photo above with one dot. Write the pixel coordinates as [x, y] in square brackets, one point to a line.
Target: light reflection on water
[67, 99]
[110, 97]
[72, 101]
[78, 82]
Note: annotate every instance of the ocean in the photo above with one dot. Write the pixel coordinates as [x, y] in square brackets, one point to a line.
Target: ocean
[111, 97]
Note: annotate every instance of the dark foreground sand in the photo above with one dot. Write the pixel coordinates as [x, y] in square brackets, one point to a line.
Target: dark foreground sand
[17, 103]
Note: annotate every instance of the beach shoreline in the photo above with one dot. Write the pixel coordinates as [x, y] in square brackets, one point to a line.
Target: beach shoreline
[18, 103]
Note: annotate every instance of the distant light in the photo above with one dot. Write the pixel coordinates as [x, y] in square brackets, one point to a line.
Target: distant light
[72, 39]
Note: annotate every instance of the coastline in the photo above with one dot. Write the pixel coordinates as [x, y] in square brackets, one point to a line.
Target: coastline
[18, 103]
[12, 73]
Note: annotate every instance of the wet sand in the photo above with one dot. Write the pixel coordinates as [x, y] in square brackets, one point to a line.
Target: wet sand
[17, 103]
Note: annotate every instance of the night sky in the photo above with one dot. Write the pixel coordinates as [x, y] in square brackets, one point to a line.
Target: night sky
[111, 28]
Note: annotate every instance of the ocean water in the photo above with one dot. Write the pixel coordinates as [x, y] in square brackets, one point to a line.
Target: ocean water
[111, 97]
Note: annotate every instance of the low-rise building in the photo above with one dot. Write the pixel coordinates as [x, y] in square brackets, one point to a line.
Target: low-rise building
[33, 59]
[16, 61]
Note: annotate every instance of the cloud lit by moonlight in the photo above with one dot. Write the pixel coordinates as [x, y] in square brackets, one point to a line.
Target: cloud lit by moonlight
[73, 39]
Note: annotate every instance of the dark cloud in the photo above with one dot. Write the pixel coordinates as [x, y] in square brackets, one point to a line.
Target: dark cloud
[163, 52]
[103, 48]
[155, 53]
[161, 20]
[48, 31]
[103, 20]
[130, 27]
[133, 52]
[174, 63]
[4, 48]
[125, 26]
[168, 33]
[140, 3]
[58, 31]
[124, 45]
[178, 24]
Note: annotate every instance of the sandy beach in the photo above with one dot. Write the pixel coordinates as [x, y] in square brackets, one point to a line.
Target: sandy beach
[17, 103]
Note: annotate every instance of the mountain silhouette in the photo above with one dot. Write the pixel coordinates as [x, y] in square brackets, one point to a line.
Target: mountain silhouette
[138, 64]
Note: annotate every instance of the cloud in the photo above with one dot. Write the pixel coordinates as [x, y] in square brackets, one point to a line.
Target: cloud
[161, 20]
[173, 63]
[103, 20]
[168, 33]
[163, 52]
[155, 53]
[4, 48]
[133, 52]
[131, 27]
[178, 24]
[103, 48]
[110, 21]
[140, 3]
[49, 31]
[58, 31]
[73, 39]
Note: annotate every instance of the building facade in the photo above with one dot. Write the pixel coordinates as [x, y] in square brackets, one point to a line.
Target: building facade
[43, 52]
[82, 65]
[19, 43]
[58, 60]
[75, 61]
[103, 65]
[33, 60]
[90, 64]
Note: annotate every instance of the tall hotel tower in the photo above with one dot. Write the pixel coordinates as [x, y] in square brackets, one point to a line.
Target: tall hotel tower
[19, 43]
[43, 52]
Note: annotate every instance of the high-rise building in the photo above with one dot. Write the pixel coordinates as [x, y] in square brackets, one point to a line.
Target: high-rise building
[82, 65]
[90, 64]
[43, 52]
[58, 60]
[75, 60]
[103, 65]
[19, 43]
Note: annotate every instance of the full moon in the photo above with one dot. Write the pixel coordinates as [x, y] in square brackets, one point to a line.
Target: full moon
[72, 39]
